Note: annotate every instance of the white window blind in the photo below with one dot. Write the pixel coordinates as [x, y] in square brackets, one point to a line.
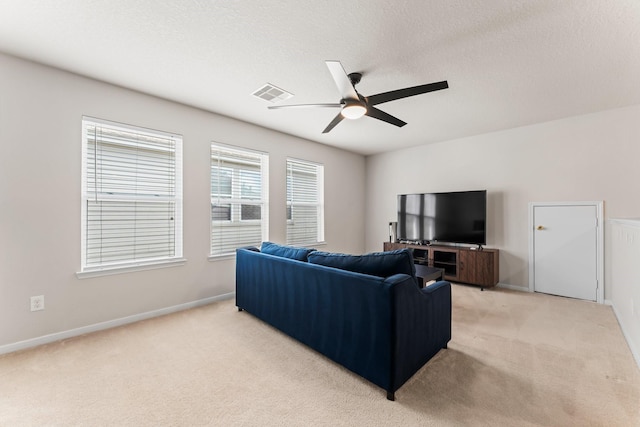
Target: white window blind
[305, 202]
[239, 198]
[132, 196]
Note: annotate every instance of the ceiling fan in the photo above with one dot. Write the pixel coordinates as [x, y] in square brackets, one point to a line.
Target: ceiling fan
[353, 105]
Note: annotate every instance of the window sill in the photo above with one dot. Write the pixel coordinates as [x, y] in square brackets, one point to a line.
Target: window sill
[142, 266]
[221, 257]
[308, 245]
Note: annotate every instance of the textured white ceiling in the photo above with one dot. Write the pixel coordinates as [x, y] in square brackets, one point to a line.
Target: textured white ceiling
[509, 63]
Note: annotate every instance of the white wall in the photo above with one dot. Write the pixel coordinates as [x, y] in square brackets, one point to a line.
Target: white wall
[625, 279]
[585, 158]
[40, 171]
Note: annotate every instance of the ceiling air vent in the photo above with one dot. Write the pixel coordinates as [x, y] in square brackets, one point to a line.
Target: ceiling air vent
[272, 93]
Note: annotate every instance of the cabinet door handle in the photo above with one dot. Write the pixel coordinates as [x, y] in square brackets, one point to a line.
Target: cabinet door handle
[540, 228]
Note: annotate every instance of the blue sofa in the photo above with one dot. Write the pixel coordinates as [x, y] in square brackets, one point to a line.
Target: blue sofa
[383, 326]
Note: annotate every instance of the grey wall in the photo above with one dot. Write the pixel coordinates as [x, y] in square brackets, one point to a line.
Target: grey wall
[40, 173]
[584, 158]
[591, 157]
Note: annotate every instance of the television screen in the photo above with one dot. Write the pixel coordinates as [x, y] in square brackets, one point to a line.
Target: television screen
[454, 217]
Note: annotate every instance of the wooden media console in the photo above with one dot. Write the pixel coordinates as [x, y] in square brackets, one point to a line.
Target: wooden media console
[465, 265]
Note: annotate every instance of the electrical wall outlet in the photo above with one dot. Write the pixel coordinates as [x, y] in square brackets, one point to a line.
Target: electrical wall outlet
[37, 303]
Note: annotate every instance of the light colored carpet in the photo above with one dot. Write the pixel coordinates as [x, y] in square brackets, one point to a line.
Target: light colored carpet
[516, 359]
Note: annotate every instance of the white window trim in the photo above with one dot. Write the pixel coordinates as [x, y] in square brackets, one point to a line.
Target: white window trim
[320, 202]
[140, 265]
[264, 202]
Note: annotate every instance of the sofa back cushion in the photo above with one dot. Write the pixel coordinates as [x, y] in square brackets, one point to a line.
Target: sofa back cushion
[284, 251]
[381, 264]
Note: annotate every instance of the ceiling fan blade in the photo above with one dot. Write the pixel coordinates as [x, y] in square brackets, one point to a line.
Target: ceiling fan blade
[406, 92]
[346, 89]
[337, 119]
[276, 107]
[385, 117]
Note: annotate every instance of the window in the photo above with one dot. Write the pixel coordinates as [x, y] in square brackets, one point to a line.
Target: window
[239, 198]
[305, 202]
[131, 196]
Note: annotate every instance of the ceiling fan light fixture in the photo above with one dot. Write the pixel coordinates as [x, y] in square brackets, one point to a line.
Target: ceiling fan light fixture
[353, 110]
[353, 105]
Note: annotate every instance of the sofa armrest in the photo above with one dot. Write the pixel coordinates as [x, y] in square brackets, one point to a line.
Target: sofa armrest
[434, 287]
[422, 318]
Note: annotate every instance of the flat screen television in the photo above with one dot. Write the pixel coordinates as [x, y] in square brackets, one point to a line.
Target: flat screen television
[453, 217]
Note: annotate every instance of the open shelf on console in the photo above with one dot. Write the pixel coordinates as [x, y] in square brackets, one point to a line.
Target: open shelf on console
[447, 260]
[421, 256]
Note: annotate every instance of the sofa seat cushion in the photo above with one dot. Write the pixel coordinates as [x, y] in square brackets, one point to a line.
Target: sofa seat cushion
[381, 264]
[284, 251]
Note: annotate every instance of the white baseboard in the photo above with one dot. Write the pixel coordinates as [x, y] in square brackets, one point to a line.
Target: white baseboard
[46, 339]
[512, 287]
[635, 352]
